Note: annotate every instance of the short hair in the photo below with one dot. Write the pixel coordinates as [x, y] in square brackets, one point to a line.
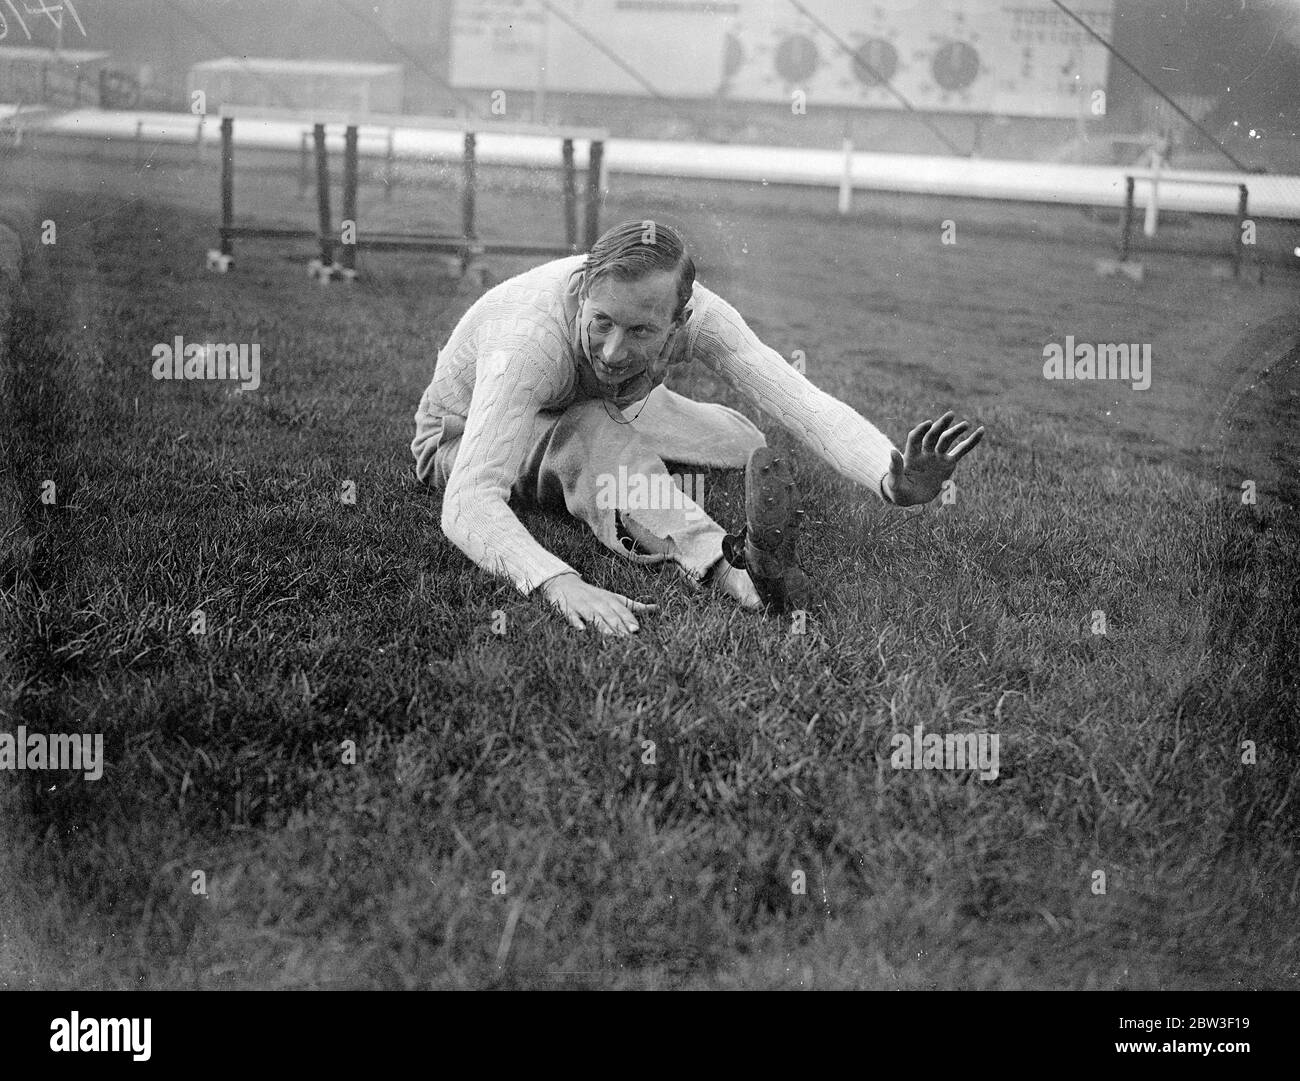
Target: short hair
[633, 250]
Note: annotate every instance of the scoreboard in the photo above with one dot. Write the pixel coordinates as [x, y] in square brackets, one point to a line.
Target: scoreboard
[1008, 57]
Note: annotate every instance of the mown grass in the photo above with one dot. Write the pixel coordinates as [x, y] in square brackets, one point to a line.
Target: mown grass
[524, 752]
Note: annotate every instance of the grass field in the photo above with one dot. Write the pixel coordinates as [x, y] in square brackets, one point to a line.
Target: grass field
[524, 753]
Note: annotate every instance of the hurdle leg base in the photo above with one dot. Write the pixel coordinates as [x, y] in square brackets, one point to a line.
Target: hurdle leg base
[474, 278]
[450, 265]
[1250, 273]
[219, 262]
[1108, 268]
[473, 272]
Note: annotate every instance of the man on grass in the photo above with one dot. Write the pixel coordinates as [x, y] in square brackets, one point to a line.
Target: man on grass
[551, 384]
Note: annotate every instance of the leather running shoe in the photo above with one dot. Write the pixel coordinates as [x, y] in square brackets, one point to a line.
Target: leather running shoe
[766, 546]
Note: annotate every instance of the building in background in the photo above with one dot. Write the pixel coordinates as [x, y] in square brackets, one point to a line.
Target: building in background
[344, 86]
[1006, 78]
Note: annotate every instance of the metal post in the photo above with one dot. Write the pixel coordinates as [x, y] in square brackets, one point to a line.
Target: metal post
[539, 96]
[846, 179]
[467, 198]
[570, 198]
[304, 171]
[227, 183]
[139, 148]
[350, 193]
[1153, 203]
[595, 156]
[390, 170]
[1126, 236]
[323, 197]
[198, 142]
[1239, 247]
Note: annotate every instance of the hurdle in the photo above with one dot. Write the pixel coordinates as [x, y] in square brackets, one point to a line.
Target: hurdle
[467, 245]
[1133, 269]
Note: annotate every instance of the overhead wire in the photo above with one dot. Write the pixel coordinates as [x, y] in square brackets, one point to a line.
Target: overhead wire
[1173, 104]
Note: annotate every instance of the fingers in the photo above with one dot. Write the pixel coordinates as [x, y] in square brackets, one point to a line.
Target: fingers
[608, 612]
[968, 443]
[936, 437]
[569, 612]
[949, 437]
[616, 627]
[915, 435]
[608, 621]
[624, 623]
[936, 430]
[616, 614]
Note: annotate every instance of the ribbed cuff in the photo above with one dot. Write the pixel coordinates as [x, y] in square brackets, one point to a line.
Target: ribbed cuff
[538, 587]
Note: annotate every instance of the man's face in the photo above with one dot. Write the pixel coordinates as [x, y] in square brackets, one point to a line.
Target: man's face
[627, 327]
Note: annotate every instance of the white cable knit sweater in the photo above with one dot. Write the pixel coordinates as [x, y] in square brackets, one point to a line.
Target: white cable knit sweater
[517, 351]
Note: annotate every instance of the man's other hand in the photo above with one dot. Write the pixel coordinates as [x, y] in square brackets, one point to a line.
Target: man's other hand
[932, 454]
[580, 602]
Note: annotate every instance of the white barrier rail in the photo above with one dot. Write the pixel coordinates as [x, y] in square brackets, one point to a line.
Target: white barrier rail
[1271, 196]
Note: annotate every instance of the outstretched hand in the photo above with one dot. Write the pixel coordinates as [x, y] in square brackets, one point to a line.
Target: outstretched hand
[932, 454]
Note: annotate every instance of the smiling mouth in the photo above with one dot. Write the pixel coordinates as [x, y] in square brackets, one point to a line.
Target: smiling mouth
[615, 374]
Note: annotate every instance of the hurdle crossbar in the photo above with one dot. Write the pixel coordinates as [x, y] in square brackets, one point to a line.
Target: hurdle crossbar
[338, 119]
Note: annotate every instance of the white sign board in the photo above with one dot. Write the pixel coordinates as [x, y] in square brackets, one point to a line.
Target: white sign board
[1010, 57]
[676, 47]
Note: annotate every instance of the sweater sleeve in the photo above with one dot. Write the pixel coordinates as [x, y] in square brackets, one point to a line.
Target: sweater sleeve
[839, 435]
[513, 378]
